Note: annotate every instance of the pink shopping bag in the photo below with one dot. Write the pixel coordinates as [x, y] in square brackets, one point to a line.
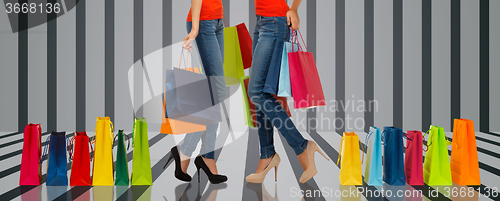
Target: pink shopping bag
[31, 168]
[306, 85]
[413, 158]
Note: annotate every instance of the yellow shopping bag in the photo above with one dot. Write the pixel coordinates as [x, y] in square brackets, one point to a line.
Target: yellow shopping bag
[233, 62]
[350, 170]
[103, 153]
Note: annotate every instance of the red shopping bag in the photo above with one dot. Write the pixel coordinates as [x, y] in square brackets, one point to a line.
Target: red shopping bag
[80, 170]
[281, 100]
[245, 45]
[413, 158]
[304, 78]
[31, 167]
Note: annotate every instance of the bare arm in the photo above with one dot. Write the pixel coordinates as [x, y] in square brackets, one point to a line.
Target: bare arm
[195, 16]
[292, 16]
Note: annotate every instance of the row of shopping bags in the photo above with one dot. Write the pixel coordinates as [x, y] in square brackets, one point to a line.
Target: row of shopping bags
[82, 154]
[405, 164]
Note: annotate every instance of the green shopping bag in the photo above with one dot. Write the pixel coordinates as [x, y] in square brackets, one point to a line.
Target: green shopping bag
[247, 103]
[121, 160]
[437, 171]
[233, 62]
[141, 163]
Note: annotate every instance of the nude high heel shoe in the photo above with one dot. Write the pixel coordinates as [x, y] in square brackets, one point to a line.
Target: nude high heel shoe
[309, 173]
[259, 177]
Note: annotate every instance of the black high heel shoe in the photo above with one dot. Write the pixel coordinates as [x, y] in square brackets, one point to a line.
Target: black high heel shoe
[179, 174]
[214, 179]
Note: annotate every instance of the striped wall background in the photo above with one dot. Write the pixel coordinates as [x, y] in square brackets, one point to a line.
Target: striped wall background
[423, 62]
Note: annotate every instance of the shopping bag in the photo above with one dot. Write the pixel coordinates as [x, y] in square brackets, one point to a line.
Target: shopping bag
[413, 158]
[464, 161]
[31, 167]
[103, 153]
[79, 148]
[245, 45]
[350, 167]
[284, 86]
[57, 168]
[176, 127]
[306, 85]
[249, 106]
[141, 162]
[189, 97]
[121, 178]
[233, 62]
[394, 172]
[373, 166]
[273, 74]
[437, 171]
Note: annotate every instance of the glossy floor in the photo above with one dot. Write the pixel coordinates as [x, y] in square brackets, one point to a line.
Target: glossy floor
[237, 156]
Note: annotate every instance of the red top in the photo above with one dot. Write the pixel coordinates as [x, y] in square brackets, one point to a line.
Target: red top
[210, 10]
[271, 8]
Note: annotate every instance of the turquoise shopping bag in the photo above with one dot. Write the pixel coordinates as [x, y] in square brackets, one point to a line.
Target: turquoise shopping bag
[284, 86]
[373, 167]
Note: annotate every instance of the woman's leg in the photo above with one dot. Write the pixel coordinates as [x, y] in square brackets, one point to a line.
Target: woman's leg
[265, 130]
[270, 29]
[213, 65]
[210, 45]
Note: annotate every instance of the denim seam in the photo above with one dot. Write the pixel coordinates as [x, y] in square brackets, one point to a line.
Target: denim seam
[185, 147]
[275, 27]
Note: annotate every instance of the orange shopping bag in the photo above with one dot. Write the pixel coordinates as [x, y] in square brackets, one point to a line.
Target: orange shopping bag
[176, 127]
[464, 161]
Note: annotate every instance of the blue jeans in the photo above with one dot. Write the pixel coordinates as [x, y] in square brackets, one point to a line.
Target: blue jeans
[210, 43]
[269, 112]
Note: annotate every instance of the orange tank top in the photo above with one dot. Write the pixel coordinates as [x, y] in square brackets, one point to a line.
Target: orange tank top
[271, 8]
[210, 10]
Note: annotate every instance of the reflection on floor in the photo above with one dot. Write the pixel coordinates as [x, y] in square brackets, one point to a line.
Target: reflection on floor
[237, 156]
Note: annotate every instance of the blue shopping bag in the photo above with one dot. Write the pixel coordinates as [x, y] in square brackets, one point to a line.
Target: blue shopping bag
[273, 74]
[57, 169]
[394, 172]
[284, 86]
[373, 166]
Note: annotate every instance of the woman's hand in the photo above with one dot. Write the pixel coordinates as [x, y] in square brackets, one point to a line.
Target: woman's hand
[186, 43]
[293, 18]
